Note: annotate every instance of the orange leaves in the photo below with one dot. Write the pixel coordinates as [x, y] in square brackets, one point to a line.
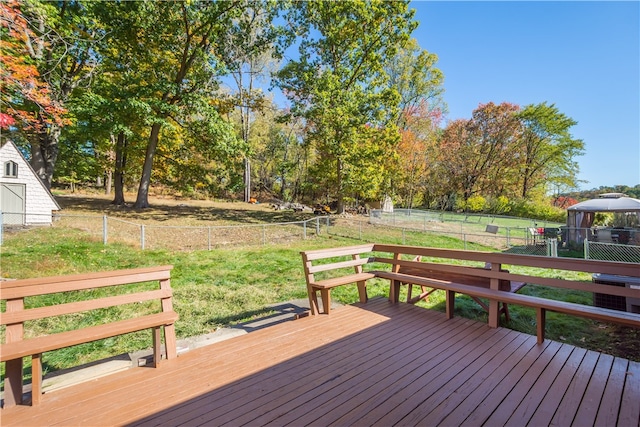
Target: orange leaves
[25, 98]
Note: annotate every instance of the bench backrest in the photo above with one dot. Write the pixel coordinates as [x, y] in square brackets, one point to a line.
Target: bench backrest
[447, 261]
[14, 293]
[467, 279]
[322, 260]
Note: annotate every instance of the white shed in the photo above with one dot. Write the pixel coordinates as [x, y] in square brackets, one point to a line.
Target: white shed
[24, 199]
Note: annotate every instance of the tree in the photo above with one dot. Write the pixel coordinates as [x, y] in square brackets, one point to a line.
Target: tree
[171, 63]
[338, 84]
[547, 150]
[480, 152]
[416, 151]
[251, 46]
[60, 43]
[413, 73]
[25, 99]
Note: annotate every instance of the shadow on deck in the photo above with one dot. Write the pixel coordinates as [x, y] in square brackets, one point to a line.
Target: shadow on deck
[373, 364]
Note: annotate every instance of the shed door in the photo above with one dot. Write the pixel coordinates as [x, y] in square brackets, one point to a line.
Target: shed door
[12, 203]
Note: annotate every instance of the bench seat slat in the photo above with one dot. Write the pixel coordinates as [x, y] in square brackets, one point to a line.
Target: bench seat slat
[342, 280]
[18, 349]
[595, 313]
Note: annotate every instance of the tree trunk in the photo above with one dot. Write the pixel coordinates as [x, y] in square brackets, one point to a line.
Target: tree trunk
[108, 182]
[121, 161]
[142, 200]
[247, 179]
[340, 206]
[44, 154]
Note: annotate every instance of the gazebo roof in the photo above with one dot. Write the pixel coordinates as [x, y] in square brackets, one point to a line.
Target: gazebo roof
[607, 204]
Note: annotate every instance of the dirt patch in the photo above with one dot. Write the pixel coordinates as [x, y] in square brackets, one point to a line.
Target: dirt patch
[169, 210]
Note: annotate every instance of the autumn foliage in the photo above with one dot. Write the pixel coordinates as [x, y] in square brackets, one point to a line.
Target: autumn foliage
[25, 100]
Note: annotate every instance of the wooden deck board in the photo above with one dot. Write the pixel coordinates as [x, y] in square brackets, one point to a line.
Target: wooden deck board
[368, 364]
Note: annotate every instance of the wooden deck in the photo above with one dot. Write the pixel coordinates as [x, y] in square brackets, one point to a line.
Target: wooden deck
[373, 364]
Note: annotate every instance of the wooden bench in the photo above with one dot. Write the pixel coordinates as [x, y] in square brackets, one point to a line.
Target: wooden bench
[327, 257]
[502, 284]
[463, 279]
[19, 344]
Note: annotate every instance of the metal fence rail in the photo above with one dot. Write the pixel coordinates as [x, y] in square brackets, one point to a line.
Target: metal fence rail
[409, 228]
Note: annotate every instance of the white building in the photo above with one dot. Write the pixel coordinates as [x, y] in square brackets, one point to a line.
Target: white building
[24, 199]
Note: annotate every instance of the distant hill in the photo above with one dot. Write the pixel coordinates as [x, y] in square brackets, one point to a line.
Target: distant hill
[593, 193]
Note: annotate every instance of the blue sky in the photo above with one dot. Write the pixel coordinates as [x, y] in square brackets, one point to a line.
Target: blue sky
[584, 57]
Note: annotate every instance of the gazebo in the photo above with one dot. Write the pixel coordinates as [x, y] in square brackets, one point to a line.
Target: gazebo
[580, 216]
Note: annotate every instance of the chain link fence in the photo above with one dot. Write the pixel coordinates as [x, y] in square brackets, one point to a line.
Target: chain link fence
[611, 252]
[409, 227]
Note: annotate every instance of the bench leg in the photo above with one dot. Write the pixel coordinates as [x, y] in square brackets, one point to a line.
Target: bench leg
[450, 303]
[394, 291]
[362, 291]
[36, 379]
[494, 313]
[13, 383]
[325, 294]
[505, 310]
[541, 315]
[170, 343]
[313, 301]
[157, 345]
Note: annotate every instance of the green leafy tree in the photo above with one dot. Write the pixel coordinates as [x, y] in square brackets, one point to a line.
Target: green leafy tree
[413, 73]
[252, 46]
[60, 41]
[169, 62]
[547, 151]
[339, 85]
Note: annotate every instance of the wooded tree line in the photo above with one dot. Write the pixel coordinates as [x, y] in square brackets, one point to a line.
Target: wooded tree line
[173, 94]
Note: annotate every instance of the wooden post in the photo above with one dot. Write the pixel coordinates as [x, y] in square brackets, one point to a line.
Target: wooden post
[325, 294]
[362, 285]
[541, 320]
[169, 330]
[36, 379]
[13, 368]
[494, 305]
[157, 346]
[450, 303]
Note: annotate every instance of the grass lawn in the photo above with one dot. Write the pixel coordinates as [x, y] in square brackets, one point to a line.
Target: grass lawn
[226, 286]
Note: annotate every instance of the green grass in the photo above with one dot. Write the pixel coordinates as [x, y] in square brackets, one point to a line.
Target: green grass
[226, 286]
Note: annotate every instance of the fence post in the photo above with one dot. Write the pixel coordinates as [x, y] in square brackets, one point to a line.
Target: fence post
[317, 226]
[104, 230]
[142, 237]
[464, 239]
[304, 230]
[328, 224]
[403, 237]
[552, 247]
[586, 248]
